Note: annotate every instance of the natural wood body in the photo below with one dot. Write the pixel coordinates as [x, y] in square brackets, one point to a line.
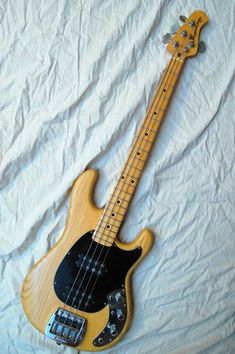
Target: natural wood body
[38, 296]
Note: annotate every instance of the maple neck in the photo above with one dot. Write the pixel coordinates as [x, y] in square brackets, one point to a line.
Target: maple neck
[119, 200]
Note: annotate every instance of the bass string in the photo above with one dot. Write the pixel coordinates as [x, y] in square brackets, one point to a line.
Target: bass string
[67, 299]
[106, 256]
[151, 122]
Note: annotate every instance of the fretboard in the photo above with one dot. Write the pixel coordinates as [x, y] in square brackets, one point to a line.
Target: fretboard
[116, 207]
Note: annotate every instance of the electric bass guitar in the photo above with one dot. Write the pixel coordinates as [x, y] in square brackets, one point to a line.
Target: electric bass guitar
[78, 294]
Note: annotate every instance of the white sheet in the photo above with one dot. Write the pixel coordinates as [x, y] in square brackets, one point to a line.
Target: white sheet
[76, 81]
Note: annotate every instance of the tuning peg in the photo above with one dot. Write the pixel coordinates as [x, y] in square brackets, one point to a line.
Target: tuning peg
[166, 38]
[183, 18]
[201, 47]
[175, 27]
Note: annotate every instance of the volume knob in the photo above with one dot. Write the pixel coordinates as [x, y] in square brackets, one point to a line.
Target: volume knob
[119, 298]
[120, 315]
[113, 330]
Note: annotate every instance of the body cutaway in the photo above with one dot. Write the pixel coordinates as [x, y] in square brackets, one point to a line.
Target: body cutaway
[84, 278]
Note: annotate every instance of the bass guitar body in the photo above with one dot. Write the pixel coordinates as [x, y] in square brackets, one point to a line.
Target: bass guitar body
[79, 293]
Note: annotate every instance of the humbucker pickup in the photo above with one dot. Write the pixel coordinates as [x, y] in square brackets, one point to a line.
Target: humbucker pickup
[66, 327]
[90, 264]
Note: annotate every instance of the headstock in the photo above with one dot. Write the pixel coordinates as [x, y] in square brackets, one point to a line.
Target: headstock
[185, 42]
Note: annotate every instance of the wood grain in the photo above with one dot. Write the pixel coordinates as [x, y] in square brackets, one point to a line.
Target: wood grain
[38, 296]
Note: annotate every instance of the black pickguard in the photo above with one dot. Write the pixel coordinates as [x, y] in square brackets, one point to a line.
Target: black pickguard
[106, 272]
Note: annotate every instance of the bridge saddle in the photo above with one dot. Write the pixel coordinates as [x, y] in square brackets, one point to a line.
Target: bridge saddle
[66, 327]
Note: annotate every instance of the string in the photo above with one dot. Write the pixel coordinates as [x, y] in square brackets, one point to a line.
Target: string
[104, 214]
[150, 121]
[145, 122]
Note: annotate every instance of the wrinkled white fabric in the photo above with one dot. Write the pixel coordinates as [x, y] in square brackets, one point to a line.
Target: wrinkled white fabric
[76, 80]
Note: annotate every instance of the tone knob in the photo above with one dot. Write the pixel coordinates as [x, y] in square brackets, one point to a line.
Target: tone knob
[119, 298]
[120, 315]
[191, 44]
[113, 330]
[192, 23]
[186, 49]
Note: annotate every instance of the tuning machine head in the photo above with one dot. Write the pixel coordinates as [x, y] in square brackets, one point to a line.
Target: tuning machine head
[201, 47]
[175, 27]
[183, 18]
[166, 38]
[184, 42]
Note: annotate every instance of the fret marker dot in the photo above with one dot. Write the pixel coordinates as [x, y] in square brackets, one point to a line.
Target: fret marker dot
[155, 112]
[118, 201]
[132, 181]
[146, 134]
[108, 226]
[138, 153]
[164, 90]
[123, 177]
[113, 214]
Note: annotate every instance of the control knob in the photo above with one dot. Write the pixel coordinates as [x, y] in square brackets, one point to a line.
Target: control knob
[119, 298]
[113, 330]
[120, 315]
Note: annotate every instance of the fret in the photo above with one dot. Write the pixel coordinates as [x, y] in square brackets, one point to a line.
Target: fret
[165, 98]
[118, 205]
[137, 158]
[121, 196]
[164, 104]
[159, 110]
[175, 73]
[126, 190]
[102, 239]
[148, 141]
[127, 174]
[113, 218]
[135, 174]
[137, 168]
[149, 134]
[140, 149]
[151, 130]
[157, 120]
[101, 235]
[129, 185]
[105, 228]
[119, 189]
[138, 162]
[115, 212]
[103, 242]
